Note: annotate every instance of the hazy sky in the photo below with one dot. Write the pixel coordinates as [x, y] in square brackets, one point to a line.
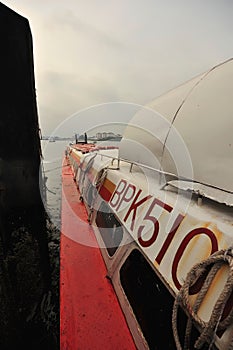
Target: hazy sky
[98, 51]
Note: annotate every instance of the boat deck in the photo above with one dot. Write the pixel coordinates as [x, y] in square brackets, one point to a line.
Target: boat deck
[90, 312]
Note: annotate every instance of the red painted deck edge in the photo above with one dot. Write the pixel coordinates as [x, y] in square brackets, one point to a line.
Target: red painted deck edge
[90, 314]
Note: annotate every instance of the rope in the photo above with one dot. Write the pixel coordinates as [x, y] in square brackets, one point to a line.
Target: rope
[209, 329]
[97, 185]
[101, 177]
[50, 190]
[58, 167]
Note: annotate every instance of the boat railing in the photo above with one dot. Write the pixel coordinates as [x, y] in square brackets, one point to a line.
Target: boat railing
[170, 177]
[141, 165]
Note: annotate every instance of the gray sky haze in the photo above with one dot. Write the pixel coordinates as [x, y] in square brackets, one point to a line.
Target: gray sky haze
[93, 52]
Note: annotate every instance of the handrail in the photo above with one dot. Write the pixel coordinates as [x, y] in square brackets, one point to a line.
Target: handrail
[162, 172]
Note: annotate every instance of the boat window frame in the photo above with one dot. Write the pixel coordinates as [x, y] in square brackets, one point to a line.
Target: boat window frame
[111, 251]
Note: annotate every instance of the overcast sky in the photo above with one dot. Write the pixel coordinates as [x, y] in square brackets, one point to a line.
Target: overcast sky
[89, 52]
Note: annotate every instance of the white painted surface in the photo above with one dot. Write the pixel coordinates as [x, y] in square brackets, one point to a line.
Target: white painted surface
[201, 112]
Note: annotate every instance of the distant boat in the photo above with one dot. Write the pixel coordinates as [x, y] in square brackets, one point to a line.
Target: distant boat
[52, 139]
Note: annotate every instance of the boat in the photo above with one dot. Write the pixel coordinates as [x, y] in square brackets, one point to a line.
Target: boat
[146, 251]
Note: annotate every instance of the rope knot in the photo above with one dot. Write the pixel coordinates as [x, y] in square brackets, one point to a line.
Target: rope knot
[206, 269]
[229, 252]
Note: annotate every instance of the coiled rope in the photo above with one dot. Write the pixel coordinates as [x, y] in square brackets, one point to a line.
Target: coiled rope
[210, 266]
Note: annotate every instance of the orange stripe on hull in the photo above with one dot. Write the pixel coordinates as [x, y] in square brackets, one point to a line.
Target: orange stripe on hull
[107, 190]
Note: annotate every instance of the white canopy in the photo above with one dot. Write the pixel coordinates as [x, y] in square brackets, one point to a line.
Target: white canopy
[201, 112]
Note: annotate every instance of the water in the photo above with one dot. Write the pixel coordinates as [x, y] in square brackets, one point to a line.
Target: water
[53, 153]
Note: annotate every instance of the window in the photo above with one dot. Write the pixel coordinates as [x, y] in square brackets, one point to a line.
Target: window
[151, 302]
[109, 227]
[90, 194]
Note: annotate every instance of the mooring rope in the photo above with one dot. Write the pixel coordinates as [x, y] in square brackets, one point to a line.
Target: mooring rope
[210, 266]
[97, 185]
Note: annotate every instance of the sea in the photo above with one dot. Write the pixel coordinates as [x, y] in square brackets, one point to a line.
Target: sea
[51, 166]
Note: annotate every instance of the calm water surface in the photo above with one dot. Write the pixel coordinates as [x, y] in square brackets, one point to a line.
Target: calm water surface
[53, 153]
